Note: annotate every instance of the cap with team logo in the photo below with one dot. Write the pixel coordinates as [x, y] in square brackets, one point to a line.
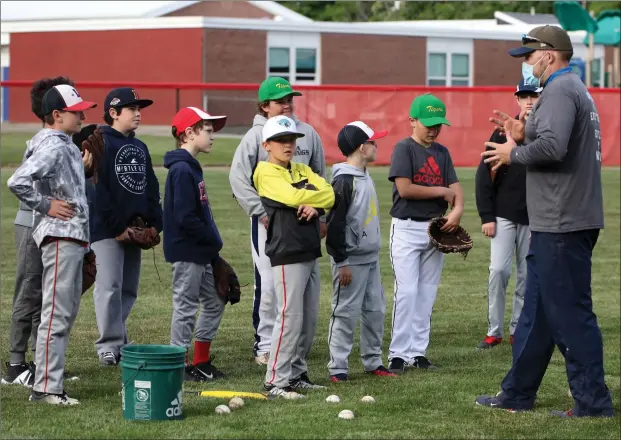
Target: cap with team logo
[355, 134]
[526, 89]
[64, 97]
[279, 126]
[275, 88]
[123, 97]
[188, 116]
[429, 110]
[546, 37]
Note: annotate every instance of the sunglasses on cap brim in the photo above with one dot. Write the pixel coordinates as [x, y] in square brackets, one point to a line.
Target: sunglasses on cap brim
[526, 39]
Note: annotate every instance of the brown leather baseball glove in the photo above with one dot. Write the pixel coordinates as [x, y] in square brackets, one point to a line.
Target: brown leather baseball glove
[458, 241]
[89, 271]
[90, 138]
[140, 234]
[226, 281]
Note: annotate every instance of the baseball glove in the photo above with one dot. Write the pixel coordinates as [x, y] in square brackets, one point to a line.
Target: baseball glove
[226, 281]
[90, 138]
[89, 271]
[140, 234]
[458, 241]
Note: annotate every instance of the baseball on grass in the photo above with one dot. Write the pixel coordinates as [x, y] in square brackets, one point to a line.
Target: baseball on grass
[333, 399]
[236, 402]
[368, 399]
[222, 409]
[346, 414]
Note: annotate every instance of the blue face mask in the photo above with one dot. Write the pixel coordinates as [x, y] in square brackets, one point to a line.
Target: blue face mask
[529, 76]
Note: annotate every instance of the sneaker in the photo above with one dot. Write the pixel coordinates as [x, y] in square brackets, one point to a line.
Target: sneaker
[107, 359]
[262, 359]
[190, 375]
[340, 377]
[562, 414]
[494, 402]
[207, 371]
[286, 393]
[381, 371]
[490, 341]
[424, 363]
[397, 365]
[19, 374]
[53, 399]
[511, 339]
[304, 383]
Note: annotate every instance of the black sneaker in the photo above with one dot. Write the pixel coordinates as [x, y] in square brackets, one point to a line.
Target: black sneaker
[19, 374]
[397, 366]
[339, 377]
[207, 371]
[189, 375]
[423, 363]
[304, 383]
[494, 402]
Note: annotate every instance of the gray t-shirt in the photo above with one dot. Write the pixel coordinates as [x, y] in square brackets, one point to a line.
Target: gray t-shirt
[563, 155]
[431, 166]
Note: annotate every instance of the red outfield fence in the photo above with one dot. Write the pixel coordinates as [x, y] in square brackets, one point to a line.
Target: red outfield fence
[328, 107]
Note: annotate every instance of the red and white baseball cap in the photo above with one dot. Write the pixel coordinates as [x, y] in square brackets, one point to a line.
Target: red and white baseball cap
[188, 116]
[64, 98]
[355, 134]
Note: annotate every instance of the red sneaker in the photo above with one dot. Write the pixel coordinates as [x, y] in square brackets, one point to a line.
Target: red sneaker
[511, 339]
[381, 371]
[489, 342]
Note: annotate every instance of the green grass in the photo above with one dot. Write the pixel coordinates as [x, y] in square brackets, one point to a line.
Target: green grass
[438, 404]
[13, 145]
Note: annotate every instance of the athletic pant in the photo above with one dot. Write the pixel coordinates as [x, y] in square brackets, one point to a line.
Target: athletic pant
[558, 309]
[27, 298]
[116, 290]
[264, 305]
[194, 291]
[297, 292]
[509, 237]
[417, 266]
[363, 298]
[62, 290]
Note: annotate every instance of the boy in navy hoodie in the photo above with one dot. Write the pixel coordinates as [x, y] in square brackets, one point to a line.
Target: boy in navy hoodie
[126, 191]
[192, 241]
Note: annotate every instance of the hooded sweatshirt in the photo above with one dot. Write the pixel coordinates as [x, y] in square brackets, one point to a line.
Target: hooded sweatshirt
[127, 187]
[250, 151]
[190, 232]
[353, 225]
[53, 169]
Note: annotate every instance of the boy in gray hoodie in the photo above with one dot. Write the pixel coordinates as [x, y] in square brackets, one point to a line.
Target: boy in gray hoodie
[353, 242]
[275, 98]
[51, 182]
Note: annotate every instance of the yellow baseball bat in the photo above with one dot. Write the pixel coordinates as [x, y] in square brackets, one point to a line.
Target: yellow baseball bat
[231, 394]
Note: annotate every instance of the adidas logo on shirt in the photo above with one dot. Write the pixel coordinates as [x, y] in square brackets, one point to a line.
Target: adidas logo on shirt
[174, 410]
[429, 174]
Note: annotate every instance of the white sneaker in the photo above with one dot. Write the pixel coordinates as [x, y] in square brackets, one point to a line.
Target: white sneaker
[53, 399]
[262, 359]
[286, 393]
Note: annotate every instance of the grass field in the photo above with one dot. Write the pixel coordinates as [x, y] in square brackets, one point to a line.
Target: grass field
[437, 404]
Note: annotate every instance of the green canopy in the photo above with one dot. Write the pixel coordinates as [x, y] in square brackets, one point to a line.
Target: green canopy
[573, 17]
[608, 28]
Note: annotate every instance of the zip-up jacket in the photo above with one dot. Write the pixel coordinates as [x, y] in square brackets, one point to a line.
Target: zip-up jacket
[53, 169]
[353, 226]
[127, 187]
[190, 232]
[504, 195]
[250, 152]
[282, 191]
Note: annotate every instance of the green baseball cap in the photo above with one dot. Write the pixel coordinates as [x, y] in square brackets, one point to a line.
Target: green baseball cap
[429, 110]
[275, 88]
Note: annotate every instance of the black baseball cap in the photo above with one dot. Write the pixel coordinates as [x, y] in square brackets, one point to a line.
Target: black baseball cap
[64, 97]
[526, 89]
[123, 97]
[543, 38]
[355, 134]
[83, 134]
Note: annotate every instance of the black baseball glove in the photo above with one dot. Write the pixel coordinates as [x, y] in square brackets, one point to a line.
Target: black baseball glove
[458, 241]
[226, 281]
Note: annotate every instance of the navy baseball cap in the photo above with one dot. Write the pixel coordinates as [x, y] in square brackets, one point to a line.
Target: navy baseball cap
[123, 97]
[523, 88]
[543, 38]
[355, 134]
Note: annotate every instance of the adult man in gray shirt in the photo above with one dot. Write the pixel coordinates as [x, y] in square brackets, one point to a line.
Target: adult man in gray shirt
[562, 152]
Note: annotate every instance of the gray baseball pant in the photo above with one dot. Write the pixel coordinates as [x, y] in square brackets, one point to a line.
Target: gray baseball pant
[194, 290]
[509, 236]
[363, 298]
[62, 290]
[26, 314]
[297, 291]
[116, 290]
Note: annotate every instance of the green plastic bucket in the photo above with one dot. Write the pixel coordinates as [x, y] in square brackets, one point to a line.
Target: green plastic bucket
[152, 382]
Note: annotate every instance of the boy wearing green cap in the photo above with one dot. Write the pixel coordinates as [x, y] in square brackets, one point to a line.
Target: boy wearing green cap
[275, 98]
[424, 185]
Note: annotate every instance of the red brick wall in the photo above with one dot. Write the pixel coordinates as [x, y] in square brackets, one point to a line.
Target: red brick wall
[372, 59]
[139, 55]
[493, 66]
[232, 9]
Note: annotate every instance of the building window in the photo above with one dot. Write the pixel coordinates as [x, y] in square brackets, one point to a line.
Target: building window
[449, 62]
[294, 56]
[279, 62]
[305, 64]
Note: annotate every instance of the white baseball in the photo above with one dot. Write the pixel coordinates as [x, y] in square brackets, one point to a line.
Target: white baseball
[222, 409]
[346, 414]
[333, 399]
[236, 402]
[368, 399]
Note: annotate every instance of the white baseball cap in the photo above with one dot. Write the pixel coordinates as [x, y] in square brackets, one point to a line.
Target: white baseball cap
[280, 126]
